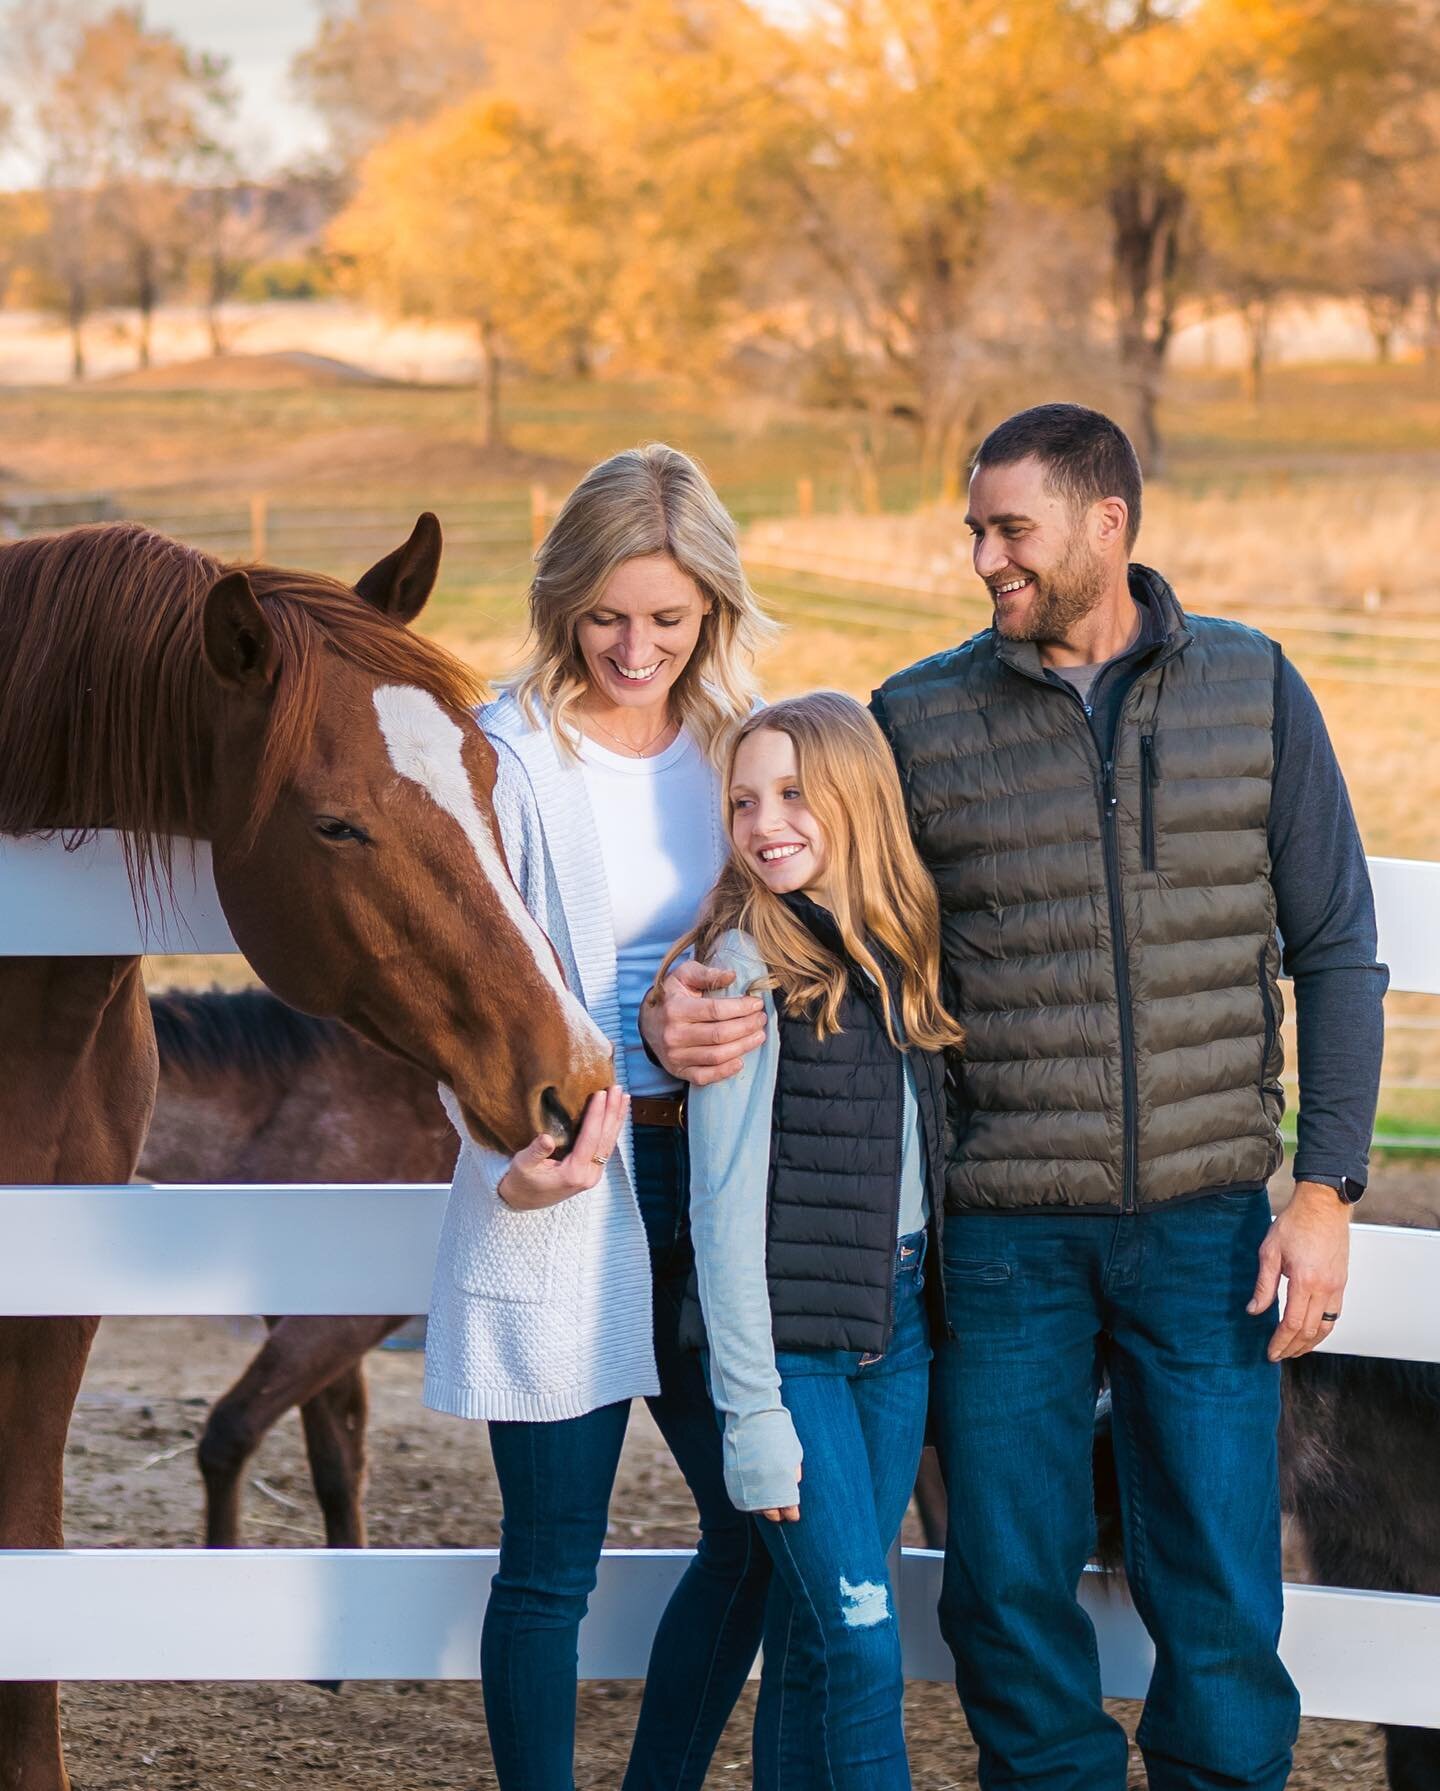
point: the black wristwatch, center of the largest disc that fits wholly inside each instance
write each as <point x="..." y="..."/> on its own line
<point x="1345" y="1186"/>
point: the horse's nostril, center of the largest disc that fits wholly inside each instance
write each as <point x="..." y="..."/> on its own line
<point x="557" y="1120"/>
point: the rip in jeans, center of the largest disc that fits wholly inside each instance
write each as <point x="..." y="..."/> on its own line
<point x="865" y="1604"/>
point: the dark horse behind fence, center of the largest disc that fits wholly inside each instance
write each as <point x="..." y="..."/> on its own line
<point x="250" y="1091"/>
<point x="331" y="759"/>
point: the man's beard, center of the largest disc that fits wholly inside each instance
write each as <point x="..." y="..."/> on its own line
<point x="1061" y="599"/>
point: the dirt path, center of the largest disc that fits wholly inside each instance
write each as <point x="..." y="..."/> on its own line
<point x="132" y="1482"/>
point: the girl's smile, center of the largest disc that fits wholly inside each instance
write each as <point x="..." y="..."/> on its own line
<point x="770" y="823"/>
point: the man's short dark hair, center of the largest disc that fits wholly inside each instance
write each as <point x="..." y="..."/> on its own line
<point x="1086" y="456"/>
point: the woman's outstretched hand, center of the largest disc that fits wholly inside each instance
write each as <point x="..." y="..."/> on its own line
<point x="537" y="1177"/>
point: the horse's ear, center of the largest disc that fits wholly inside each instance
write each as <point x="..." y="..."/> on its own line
<point x="401" y="583"/>
<point x="239" y="643"/>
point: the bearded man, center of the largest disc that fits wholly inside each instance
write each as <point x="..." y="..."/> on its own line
<point x="1125" y="809"/>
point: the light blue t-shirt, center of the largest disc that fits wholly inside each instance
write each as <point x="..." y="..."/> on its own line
<point x="662" y="847"/>
<point x="729" y="1126"/>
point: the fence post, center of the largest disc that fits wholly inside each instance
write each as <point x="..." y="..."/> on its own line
<point x="805" y="496"/>
<point x="259" y="529"/>
<point x="539" y="505"/>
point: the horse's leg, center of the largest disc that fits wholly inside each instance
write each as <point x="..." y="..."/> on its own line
<point x="1360" y="1464"/>
<point x="77" y="1081"/>
<point x="334" y="1423"/>
<point x="1412" y="1759"/>
<point x="300" y="1357"/>
<point x="41" y="1364"/>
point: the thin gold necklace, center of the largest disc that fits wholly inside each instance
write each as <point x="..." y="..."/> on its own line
<point x="639" y="752"/>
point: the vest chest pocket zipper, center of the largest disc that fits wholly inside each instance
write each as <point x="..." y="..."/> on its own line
<point x="1147" y="802"/>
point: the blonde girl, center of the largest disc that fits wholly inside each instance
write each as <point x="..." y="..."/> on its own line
<point x="561" y="1273"/>
<point x="815" y="1200"/>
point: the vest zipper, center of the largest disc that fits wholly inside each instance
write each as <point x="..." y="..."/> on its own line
<point x="1109" y="829"/>
<point x="899" y="1171"/>
<point x="1147" y="802"/>
<point x="1106" y="797"/>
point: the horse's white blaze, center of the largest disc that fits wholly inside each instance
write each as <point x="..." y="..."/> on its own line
<point x="425" y="746"/>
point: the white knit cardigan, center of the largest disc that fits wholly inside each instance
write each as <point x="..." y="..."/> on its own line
<point x="545" y="1314"/>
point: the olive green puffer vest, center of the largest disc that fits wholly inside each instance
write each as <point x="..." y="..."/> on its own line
<point x="1108" y="929"/>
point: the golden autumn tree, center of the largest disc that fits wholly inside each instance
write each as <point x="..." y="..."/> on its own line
<point x="1168" y="127"/>
<point x="1384" y="239"/>
<point x="482" y="215"/>
<point x="130" y="118"/>
<point x="829" y="175"/>
<point x="377" y="65"/>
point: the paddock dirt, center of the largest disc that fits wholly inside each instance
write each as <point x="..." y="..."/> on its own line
<point x="132" y="1481"/>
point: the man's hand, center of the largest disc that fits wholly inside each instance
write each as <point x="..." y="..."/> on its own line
<point x="698" y="1036"/>
<point x="1310" y="1245"/>
<point x="537" y="1177"/>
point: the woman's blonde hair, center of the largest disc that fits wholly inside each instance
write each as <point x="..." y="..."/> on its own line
<point x="647" y="500"/>
<point x="878" y="891"/>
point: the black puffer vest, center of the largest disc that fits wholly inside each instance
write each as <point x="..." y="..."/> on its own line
<point x="1108" y="928"/>
<point x="835" y="1157"/>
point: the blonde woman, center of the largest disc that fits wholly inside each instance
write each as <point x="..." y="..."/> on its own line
<point x="817" y="1194"/>
<point x="560" y="1277"/>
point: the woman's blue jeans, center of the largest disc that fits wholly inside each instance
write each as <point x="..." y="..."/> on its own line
<point x="1039" y="1304"/>
<point x="555" y="1484"/>
<point x="830" y="1714"/>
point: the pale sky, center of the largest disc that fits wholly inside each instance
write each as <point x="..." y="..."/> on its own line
<point x="260" y="37"/>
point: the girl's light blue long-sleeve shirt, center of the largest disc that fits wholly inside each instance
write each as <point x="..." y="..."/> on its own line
<point x="729" y="1125"/>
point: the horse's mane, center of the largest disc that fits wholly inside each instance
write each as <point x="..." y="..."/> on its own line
<point x="104" y="689"/>
<point x="211" y="1033"/>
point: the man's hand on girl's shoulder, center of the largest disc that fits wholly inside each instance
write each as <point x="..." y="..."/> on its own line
<point x="695" y="1034"/>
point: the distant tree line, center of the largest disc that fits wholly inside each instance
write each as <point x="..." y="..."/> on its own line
<point x="141" y="193"/>
<point x="888" y="204"/>
<point x="892" y="202"/>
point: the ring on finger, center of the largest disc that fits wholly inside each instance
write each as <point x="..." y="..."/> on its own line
<point x="1329" y="1318"/>
<point x="600" y="1162"/>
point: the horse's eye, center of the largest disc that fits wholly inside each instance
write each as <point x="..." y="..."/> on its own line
<point x="329" y="828"/>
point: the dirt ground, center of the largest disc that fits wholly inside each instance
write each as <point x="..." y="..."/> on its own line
<point x="132" y="1482"/>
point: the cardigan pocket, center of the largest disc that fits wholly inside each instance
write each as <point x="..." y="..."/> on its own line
<point x="501" y="1253"/>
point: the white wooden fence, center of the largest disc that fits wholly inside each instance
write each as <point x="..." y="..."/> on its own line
<point x="132" y="1614"/>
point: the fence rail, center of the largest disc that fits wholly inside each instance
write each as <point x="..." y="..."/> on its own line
<point x="256" y="1614"/>
<point x="127" y="1614"/>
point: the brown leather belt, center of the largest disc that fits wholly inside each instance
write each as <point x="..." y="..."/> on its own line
<point x="657" y="1110"/>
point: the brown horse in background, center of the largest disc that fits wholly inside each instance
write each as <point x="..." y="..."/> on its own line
<point x="251" y="1091"/>
<point x="331" y="759"/>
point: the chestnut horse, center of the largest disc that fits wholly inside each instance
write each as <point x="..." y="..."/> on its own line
<point x="331" y="759"/>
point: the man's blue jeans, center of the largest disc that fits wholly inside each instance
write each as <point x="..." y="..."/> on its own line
<point x="555" y="1481"/>
<point x="829" y="1716"/>
<point x="1039" y="1304"/>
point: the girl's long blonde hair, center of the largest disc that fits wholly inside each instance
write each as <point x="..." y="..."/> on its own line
<point x="878" y="891"/>
<point x="645" y="501"/>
